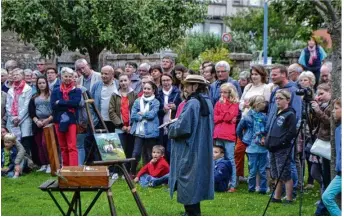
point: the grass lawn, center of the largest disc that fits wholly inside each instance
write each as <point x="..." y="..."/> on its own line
<point x="22" y="197"/>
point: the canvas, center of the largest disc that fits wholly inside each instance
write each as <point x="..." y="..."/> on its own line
<point x="109" y="146"/>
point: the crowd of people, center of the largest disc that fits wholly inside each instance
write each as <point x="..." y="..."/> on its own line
<point x="210" y="122"/>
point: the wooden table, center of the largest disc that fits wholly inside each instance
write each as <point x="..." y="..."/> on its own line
<point x="75" y="204"/>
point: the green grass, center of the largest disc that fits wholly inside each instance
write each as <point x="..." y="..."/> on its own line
<point x="22" y="197"/>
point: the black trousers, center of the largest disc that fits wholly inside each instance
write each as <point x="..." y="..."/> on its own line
<point x="193" y="209"/>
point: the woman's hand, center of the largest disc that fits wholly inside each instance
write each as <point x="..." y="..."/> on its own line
<point x="315" y="106"/>
<point x="172" y="106"/>
<point x="136" y="179"/>
<point x="39" y="123"/>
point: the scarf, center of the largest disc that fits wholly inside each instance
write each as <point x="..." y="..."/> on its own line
<point x="65" y="89"/>
<point x="18" y="88"/>
<point x="140" y="130"/>
<point x="259" y="122"/>
<point x="313" y="55"/>
<point x="167" y="94"/>
<point x="204" y="106"/>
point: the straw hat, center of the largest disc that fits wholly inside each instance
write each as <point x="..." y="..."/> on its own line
<point x="195" y="79"/>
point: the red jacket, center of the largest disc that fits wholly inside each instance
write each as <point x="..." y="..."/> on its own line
<point x="225" y="116"/>
<point x="157" y="170"/>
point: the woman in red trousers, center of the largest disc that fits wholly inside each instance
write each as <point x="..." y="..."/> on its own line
<point x="65" y="101"/>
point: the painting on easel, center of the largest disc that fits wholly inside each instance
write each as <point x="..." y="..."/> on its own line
<point x="109" y="146"/>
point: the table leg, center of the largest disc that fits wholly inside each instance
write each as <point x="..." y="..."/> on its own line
<point x="66" y="200"/>
<point x="56" y="203"/>
<point x="80" y="212"/>
<point x="133" y="190"/>
<point x="111" y="203"/>
<point x="93" y="202"/>
<point x="74" y="200"/>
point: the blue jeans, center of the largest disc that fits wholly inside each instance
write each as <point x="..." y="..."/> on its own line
<point x="293" y="169"/>
<point x="329" y="196"/>
<point x="80" y="141"/>
<point x="257" y="163"/>
<point x="145" y="179"/>
<point x="229" y="147"/>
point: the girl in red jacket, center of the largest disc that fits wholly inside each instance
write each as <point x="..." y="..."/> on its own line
<point x="225" y="115"/>
<point x="156" y="172"/>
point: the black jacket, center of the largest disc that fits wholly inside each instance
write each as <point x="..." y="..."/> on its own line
<point x="282" y="130"/>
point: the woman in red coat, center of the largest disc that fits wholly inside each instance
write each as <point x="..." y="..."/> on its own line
<point x="225" y="115"/>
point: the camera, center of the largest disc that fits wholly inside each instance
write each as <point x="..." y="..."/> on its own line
<point x="306" y="92"/>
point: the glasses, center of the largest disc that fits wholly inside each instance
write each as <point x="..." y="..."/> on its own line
<point x="280" y="98"/>
<point x="220" y="72"/>
<point x="142" y="70"/>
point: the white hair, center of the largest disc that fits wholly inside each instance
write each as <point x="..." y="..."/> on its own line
<point x="4" y="72"/>
<point x="328" y="65"/>
<point x="145" y="66"/>
<point x="223" y="63"/>
<point x="10" y="65"/>
<point x="27" y="71"/>
<point x="309" y="75"/>
<point x="37" y="73"/>
<point x="80" y="61"/>
<point x="295" y="68"/>
<point x="67" y="70"/>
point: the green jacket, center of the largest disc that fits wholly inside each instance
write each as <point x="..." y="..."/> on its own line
<point x="115" y="107"/>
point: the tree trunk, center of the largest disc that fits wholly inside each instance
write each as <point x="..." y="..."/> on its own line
<point x="94" y="58"/>
<point x="336" y="59"/>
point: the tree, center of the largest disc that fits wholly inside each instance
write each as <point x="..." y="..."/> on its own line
<point x="249" y="24"/>
<point x="329" y="14"/>
<point x="92" y="25"/>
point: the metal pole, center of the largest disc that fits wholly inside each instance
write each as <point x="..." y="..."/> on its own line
<point x="265" y="41"/>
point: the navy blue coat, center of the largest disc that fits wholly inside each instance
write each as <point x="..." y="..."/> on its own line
<point x="174" y="97"/>
<point x="13" y="155"/>
<point x="63" y="105"/>
<point x="222" y="174"/>
<point x="191" y="164"/>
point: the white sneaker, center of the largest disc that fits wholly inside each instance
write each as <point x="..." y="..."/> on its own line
<point x="43" y="168"/>
<point x="48" y="170"/>
<point x="115" y="176"/>
<point x="257" y="188"/>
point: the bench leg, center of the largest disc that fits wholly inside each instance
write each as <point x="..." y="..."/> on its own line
<point x="133" y="190"/>
<point x="111" y="202"/>
<point x="56" y="203"/>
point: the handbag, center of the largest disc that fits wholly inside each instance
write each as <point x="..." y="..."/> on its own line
<point x="322" y="148"/>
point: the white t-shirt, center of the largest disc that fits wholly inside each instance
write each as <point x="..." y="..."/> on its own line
<point x="252" y="90"/>
<point x="106" y="93"/>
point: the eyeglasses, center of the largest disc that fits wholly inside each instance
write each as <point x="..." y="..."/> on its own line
<point x="219" y="72"/>
<point x="165" y="80"/>
<point x="142" y="70"/>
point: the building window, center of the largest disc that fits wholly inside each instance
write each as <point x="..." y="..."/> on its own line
<point x="218" y="2"/>
<point x="237" y="2"/>
<point x="215" y="28"/>
<point x="255" y="3"/>
<point x="197" y="28"/>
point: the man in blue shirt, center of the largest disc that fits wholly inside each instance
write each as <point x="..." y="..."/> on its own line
<point x="222" y="72"/>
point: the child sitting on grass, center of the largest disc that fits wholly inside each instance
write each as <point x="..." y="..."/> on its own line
<point x="156" y="172"/>
<point x="8" y="156"/>
<point x="222" y="169"/>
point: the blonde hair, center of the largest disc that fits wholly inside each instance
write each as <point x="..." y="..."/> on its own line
<point x="308" y="75"/>
<point x="233" y="95"/>
<point x="160" y="148"/>
<point x="284" y="93"/>
<point x="254" y="100"/>
<point x="10" y="137"/>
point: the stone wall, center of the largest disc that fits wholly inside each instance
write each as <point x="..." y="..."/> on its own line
<point x="241" y="61"/>
<point x="119" y="60"/>
<point x="292" y="56"/>
<point x="12" y="48"/>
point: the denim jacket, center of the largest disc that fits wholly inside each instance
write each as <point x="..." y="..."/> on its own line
<point x="152" y="124"/>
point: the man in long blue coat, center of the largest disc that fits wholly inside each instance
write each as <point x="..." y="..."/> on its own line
<point x="191" y="166"/>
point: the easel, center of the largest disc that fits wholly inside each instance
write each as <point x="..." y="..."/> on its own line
<point x="118" y="163"/>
